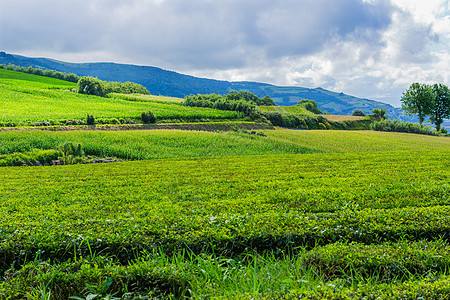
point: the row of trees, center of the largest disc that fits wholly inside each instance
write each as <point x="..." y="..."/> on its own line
<point x="86" y="85"/>
<point x="240" y="101"/>
<point x="47" y="73"/>
<point x="425" y="100"/>
<point x="94" y="86"/>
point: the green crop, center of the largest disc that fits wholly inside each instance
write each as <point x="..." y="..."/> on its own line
<point x="233" y="205"/>
<point x="359" y="141"/>
<point x="215" y="215"/>
<point x="286" y="110"/>
<point x="138" y="145"/>
<point x="46" y="99"/>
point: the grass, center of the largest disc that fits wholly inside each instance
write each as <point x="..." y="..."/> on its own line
<point x="139" y="145"/>
<point x="359" y="141"/>
<point x="286" y="110"/>
<point x="23" y="97"/>
<point x="213" y="215"/>
<point x="149" y="98"/>
<point x="233" y="208"/>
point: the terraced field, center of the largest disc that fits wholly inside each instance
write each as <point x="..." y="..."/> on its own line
<point x="288" y="214"/>
<point x="29" y="98"/>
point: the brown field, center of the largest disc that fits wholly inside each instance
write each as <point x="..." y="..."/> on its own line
<point x="342" y="118"/>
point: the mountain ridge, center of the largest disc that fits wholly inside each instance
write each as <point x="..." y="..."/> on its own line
<point x="170" y="83"/>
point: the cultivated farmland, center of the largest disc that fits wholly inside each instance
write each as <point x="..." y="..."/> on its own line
<point x="23" y="101"/>
<point x="283" y="214"/>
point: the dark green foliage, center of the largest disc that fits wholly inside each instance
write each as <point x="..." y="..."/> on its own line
<point x="124" y="88"/>
<point x="148" y="117"/>
<point x="47" y="73"/>
<point x="379" y="114"/>
<point x="243" y="102"/>
<point x="359" y="113"/>
<point x="317" y="122"/>
<point x="310" y="105"/>
<point x="32" y="158"/>
<point x="418" y="100"/>
<point x="90" y="120"/>
<point x="91" y="86"/>
<point x="71" y="154"/>
<point x="400" y="126"/>
<point x="249" y="97"/>
<point x="441" y="105"/>
<point x="274" y="117"/>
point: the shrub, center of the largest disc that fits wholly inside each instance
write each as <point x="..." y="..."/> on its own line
<point x="114" y="121"/>
<point x="90" y="120"/>
<point x="399" y="126"/>
<point x="359" y="113"/>
<point x="33" y="158"/>
<point x="91" y="86"/>
<point x="71" y="154"/>
<point x="310" y="105"/>
<point x="274" y="117"/>
<point x="148" y="117"/>
<point x="74" y="122"/>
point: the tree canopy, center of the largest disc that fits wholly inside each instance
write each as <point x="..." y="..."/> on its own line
<point x="94" y="86"/>
<point x="441" y="104"/>
<point x="427" y="100"/>
<point x="418" y="100"/>
<point x="310" y="105"/>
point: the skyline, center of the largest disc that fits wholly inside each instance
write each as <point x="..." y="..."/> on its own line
<point x="367" y="48"/>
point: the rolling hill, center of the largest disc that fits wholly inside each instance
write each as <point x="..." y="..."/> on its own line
<point x="169" y="83"/>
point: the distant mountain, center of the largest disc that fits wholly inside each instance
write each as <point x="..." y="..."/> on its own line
<point x="169" y="83"/>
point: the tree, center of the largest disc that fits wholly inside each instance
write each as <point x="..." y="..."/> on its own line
<point x="359" y="113"/>
<point x="310" y="105"/>
<point x="379" y="114"/>
<point x="418" y="99"/>
<point x="441" y="104"/>
<point x="91" y="86"/>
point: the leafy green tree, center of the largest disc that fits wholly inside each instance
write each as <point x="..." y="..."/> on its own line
<point x="418" y="100"/>
<point x="379" y="114"/>
<point x="310" y="105"/>
<point x="358" y="113"/>
<point x="441" y="104"/>
<point x="249" y="97"/>
<point x="91" y="86"/>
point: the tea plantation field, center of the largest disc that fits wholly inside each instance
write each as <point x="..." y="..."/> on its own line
<point x="361" y="221"/>
<point x="282" y="214"/>
<point x="26" y="99"/>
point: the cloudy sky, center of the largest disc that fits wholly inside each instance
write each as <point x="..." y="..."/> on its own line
<point x="368" y="48"/>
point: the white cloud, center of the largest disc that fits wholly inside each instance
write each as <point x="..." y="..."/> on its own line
<point x="369" y="48"/>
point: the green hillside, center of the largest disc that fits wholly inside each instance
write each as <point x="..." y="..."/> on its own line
<point x="286" y="109"/>
<point x="29" y="98"/>
<point x="169" y="83"/>
<point x="241" y="214"/>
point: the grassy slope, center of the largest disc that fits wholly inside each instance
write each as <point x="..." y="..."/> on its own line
<point x="367" y="218"/>
<point x="286" y="109"/>
<point x="386" y="188"/>
<point x="150" y="144"/>
<point x="359" y="141"/>
<point x="23" y="97"/>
